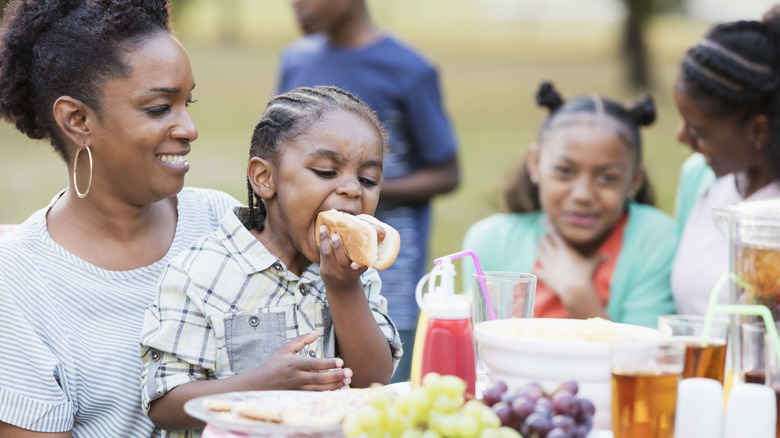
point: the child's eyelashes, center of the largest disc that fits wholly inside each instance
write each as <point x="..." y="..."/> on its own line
<point x="369" y="182"/>
<point x="327" y="174"/>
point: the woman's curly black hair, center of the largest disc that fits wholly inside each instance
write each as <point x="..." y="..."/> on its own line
<point x="522" y="195"/>
<point x="53" y="48"/>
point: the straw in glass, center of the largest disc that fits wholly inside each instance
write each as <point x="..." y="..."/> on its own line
<point x="481" y="276"/>
<point x="739" y="309"/>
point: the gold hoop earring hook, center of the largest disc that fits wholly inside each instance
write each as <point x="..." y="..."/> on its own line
<point x="75" y="163"/>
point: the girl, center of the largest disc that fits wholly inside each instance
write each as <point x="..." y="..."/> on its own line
<point x="580" y="217"/>
<point x="728" y="95"/>
<point x="108" y="86"/>
<point x="236" y="310"/>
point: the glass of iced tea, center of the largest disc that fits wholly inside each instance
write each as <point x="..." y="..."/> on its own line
<point x="644" y="387"/>
<point x="703" y="357"/>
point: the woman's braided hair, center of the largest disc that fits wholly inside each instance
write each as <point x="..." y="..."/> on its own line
<point x="290" y="115"/>
<point x="54" y="48"/>
<point x="522" y="195"/>
<point x="735" y="68"/>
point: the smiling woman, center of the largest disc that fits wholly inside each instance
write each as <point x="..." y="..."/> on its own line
<point x="108" y="86"/>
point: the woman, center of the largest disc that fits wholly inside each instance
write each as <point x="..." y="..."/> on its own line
<point x="107" y="85"/>
<point x="728" y="95"/>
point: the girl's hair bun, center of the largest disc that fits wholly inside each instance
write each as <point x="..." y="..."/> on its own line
<point x="643" y="111"/>
<point x="548" y="97"/>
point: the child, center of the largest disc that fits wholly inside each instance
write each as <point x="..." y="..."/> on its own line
<point x="728" y="95"/>
<point x="257" y="305"/>
<point x="343" y="47"/>
<point x="580" y="217"/>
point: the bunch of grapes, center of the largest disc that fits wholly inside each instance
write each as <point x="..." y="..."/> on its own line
<point x="536" y="414"/>
<point x="437" y="409"/>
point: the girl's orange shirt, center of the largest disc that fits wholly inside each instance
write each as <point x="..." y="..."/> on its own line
<point x="548" y="305"/>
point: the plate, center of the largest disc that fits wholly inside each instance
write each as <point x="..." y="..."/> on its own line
<point x="300" y="401"/>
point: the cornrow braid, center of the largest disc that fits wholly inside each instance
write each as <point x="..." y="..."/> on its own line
<point x="50" y="49"/>
<point x="290" y="115"/>
<point x="736" y="68"/>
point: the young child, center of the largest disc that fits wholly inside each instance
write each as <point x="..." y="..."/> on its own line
<point x="343" y="47"/>
<point x="257" y="305"/>
<point x="581" y="218"/>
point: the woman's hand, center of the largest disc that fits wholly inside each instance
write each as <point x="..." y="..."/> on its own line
<point x="569" y="275"/>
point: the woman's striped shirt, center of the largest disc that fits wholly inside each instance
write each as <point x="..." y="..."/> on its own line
<point x="69" y="330"/>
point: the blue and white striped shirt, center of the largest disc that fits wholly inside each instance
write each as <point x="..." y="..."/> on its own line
<point x="69" y="330"/>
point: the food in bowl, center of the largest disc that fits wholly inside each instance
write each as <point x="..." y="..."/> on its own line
<point x="552" y="350"/>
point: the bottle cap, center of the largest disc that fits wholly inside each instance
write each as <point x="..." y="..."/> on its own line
<point x="441" y="302"/>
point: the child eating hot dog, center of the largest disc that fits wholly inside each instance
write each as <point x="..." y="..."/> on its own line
<point x="261" y="304"/>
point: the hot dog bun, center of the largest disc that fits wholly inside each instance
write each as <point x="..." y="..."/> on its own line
<point x="360" y="237"/>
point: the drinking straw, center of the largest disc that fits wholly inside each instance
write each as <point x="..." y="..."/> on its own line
<point x="739" y="309"/>
<point x="480" y="276"/>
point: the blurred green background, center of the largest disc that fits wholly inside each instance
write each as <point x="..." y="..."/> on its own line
<point x="490" y="58"/>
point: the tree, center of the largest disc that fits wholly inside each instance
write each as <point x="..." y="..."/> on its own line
<point x="634" y="48"/>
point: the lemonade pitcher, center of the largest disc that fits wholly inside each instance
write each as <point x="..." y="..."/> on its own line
<point x="753" y="230"/>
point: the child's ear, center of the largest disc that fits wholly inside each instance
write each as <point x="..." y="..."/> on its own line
<point x="532" y="162"/>
<point x="636" y="185"/>
<point x="260" y="174"/>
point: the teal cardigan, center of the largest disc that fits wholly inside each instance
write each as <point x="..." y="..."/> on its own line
<point x="695" y="178"/>
<point x="640" y="289"/>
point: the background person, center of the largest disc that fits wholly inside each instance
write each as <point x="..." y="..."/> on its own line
<point x="107" y="85"/>
<point x="581" y="217"/>
<point x="728" y="95"/>
<point x="344" y="48"/>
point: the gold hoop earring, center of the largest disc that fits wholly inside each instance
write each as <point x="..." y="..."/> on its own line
<point x="89" y="182"/>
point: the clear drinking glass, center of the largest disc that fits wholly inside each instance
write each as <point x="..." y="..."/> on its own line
<point x="644" y="387"/>
<point x="512" y="296"/>
<point x="703" y="358"/>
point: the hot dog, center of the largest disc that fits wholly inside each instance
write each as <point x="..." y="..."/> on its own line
<point x="360" y="237"/>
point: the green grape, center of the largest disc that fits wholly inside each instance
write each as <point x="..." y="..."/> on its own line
<point x="489" y="432"/>
<point x="508" y="432"/>
<point x="412" y="433"/>
<point x="369" y="418"/>
<point x="452" y="385"/>
<point x="380" y="398"/>
<point x="430" y="434"/>
<point x="446" y="404"/>
<point x="488" y="418"/>
<point x="466" y="426"/>
<point x="352" y="426"/>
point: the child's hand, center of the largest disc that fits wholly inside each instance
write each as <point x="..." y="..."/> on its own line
<point x="289" y="370"/>
<point x="565" y="271"/>
<point x="336" y="269"/>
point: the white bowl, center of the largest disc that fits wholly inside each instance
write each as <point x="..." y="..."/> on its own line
<point x="552" y="350"/>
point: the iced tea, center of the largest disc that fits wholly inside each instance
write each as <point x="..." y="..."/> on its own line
<point x="643" y="404"/>
<point x="700" y="361"/>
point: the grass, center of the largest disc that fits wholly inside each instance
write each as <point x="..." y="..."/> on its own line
<point x="489" y="72"/>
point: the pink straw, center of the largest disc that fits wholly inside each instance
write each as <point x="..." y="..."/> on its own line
<point x="481" y="276"/>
